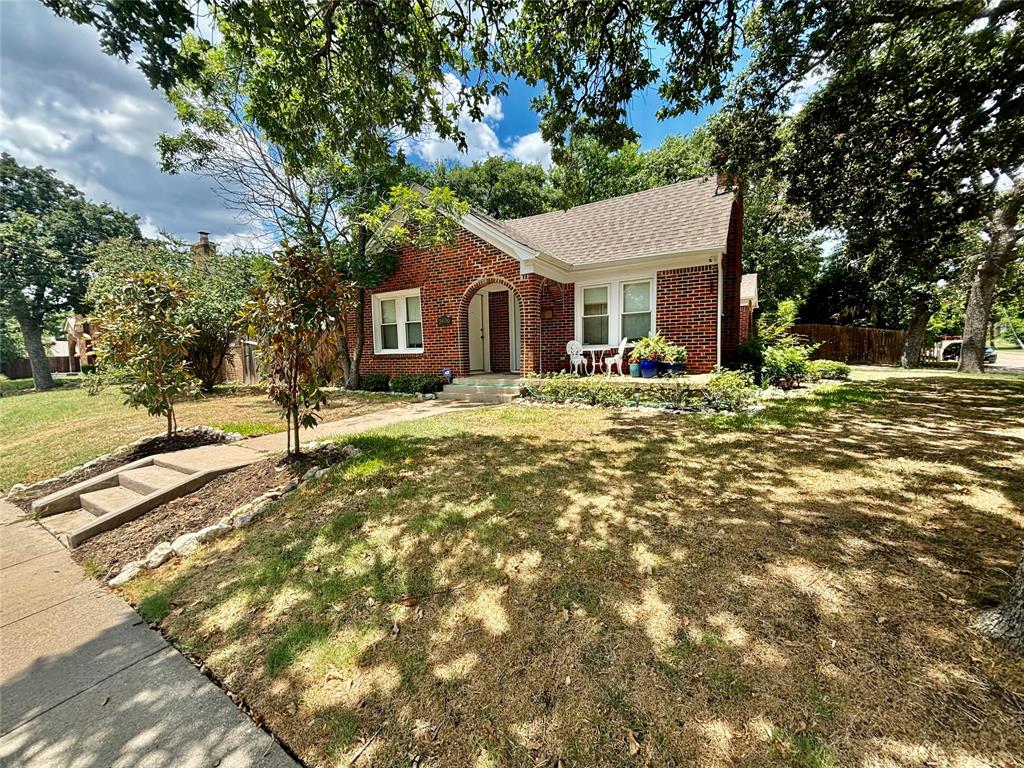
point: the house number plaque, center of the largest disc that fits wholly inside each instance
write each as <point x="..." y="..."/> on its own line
<point x="444" y="321"/>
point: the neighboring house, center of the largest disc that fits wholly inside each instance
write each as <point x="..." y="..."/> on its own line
<point x="80" y="333"/>
<point x="508" y="295"/>
<point x="748" y="303"/>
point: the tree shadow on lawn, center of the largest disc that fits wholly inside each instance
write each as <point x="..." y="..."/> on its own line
<point x="625" y="589"/>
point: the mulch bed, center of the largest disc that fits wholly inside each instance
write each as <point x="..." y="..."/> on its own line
<point x="109" y="552"/>
<point x="160" y="444"/>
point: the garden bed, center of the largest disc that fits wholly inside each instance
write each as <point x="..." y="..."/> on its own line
<point x="108" y="552"/>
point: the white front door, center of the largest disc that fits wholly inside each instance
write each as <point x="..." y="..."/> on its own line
<point x="477" y="333"/>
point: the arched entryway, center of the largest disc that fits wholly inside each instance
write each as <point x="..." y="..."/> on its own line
<point x="491" y="327"/>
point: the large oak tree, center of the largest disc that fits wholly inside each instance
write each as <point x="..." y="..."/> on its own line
<point x="47" y="229"/>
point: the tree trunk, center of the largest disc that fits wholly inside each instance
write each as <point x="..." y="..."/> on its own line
<point x="32" y="333"/>
<point x="1007" y="621"/>
<point x="170" y="423"/>
<point x="914" y="343"/>
<point x="360" y="340"/>
<point x="295" y="422"/>
<point x="1003" y="236"/>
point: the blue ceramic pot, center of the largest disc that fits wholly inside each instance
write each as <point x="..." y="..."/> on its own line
<point x="677" y="369"/>
<point x="648" y="368"/>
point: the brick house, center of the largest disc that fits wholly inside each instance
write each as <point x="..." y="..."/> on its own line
<point x="506" y="296"/>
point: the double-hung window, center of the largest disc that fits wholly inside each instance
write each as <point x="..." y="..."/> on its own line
<point x="607" y="313"/>
<point x="595" y="315"/>
<point x="636" y="310"/>
<point x="397" y="322"/>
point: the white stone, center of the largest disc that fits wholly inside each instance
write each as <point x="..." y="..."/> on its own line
<point x="243" y="520"/>
<point x="290" y="486"/>
<point x="321" y="472"/>
<point x="185" y="545"/>
<point x="159" y="554"/>
<point x="263" y="506"/>
<point x="309" y="474"/>
<point x="127" y="573"/>
<point x="212" y="532"/>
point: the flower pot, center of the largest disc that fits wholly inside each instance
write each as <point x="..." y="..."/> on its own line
<point x="677" y="369"/>
<point x="634" y="370"/>
<point x="648" y="368"/>
<point x="663" y="367"/>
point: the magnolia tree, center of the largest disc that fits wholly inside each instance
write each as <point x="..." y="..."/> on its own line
<point x="294" y="316"/>
<point x="215" y="287"/>
<point x="144" y="338"/>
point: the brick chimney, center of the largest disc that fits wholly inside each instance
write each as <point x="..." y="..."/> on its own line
<point x="202" y="249"/>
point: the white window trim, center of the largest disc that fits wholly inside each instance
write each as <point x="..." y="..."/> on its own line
<point x="614" y="307"/>
<point x="400" y="311"/>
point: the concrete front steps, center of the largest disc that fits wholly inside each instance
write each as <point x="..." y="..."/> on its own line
<point x="104" y="502"/>
<point x="485" y="388"/>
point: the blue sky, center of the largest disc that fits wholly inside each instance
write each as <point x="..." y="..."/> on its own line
<point x="66" y="105"/>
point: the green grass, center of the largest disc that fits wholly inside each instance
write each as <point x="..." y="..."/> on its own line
<point x="155" y="607"/>
<point x="45" y="433"/>
<point x="249" y="428"/>
<point x="803" y="750"/>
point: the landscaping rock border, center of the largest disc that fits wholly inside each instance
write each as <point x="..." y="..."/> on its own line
<point x="240" y="517"/>
<point x="24" y="491"/>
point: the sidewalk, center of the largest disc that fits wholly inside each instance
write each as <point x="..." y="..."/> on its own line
<point x="84" y="682"/>
<point x="278" y="441"/>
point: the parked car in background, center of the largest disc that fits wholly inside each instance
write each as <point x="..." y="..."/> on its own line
<point x="952" y="352"/>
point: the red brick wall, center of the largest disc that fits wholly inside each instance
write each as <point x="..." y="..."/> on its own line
<point x="448" y="277"/>
<point x="498" y="330"/>
<point x="687" y="313"/>
<point x="746" y="323"/>
<point x="557" y="301"/>
<point x="732" y="274"/>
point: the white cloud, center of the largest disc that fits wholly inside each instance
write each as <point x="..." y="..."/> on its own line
<point x="803" y="90"/>
<point x="532" y="148"/>
<point x="482" y="139"/>
<point x="66" y="105"/>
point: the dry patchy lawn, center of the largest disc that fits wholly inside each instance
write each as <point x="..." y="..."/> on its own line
<point x="593" y="589"/>
<point x="42" y="434"/>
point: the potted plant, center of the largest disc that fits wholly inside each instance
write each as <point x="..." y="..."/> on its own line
<point x="649" y="352"/>
<point x="676" y="359"/>
<point x="634" y="370"/>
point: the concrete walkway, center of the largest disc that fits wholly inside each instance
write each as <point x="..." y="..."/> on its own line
<point x="85" y="682"/>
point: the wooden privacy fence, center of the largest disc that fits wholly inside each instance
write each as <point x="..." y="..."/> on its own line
<point x="19" y="367"/>
<point x="853" y="343"/>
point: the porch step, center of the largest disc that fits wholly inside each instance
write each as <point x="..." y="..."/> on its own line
<point x="107" y="500"/>
<point x="145" y="480"/>
<point x="478" y="394"/>
<point x="491" y="381"/>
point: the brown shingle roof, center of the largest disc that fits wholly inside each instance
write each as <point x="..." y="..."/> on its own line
<point x="688" y="216"/>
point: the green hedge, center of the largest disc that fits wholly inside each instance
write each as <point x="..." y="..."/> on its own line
<point x="412" y="383"/>
<point x="727" y="390"/>
<point x="374" y="382"/>
<point x="827" y="369"/>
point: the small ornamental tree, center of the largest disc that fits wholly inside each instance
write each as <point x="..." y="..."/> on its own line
<point x="294" y="315"/>
<point x="143" y="337"/>
<point x="216" y="288"/>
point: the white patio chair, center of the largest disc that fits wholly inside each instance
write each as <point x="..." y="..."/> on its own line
<point x="576" y="360"/>
<point x="616" y="360"/>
